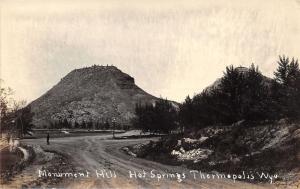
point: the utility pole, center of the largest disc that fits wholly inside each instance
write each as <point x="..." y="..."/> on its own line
<point x="22" y="131"/>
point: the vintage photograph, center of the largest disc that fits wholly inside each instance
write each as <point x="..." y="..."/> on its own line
<point x="121" y="94"/>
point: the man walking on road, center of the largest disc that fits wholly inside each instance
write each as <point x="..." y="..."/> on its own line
<point x="48" y="138"/>
<point x="8" y="138"/>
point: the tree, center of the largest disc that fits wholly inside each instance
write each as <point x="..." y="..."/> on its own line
<point x="76" y="125"/>
<point x="5" y="97"/>
<point x="242" y="94"/>
<point x="83" y="125"/>
<point x="281" y="74"/>
<point x="106" y="125"/>
<point x="89" y="124"/>
<point x="63" y="124"/>
<point x="23" y="120"/>
<point x="255" y="99"/>
<point x="12" y="112"/>
<point x="287" y="87"/>
<point x="158" y="117"/>
<point x="166" y="116"/>
<point x="293" y="74"/>
<point x="186" y="113"/>
<point x="233" y="86"/>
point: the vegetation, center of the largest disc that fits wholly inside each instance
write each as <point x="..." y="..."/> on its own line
<point x="287" y="88"/>
<point x="242" y="94"/>
<point x="154" y="118"/>
<point x="89" y="125"/>
<point x="14" y="116"/>
<point x="5" y="96"/>
<point x="246" y="95"/>
<point x="23" y="120"/>
<point x="239" y="96"/>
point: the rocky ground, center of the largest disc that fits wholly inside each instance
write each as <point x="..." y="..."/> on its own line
<point x="22" y="173"/>
<point x="11" y="163"/>
<point x="271" y="148"/>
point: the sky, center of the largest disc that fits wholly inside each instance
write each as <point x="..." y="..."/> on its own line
<point x="172" y="48"/>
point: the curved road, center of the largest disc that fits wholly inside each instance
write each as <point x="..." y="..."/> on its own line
<point x="102" y="153"/>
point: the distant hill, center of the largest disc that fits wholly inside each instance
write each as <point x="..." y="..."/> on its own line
<point x="97" y="94"/>
<point x="217" y="83"/>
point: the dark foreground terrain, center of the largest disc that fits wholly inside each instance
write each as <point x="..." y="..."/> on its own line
<point x="270" y="148"/>
<point x="101" y="153"/>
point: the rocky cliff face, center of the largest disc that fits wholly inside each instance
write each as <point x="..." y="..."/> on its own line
<point x="96" y="93"/>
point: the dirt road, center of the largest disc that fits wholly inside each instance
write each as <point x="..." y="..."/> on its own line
<point x="101" y="153"/>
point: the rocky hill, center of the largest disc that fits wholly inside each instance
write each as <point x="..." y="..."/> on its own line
<point x="97" y="94"/>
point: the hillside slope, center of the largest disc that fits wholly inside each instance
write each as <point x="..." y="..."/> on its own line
<point x="97" y="94"/>
<point x="255" y="148"/>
